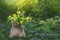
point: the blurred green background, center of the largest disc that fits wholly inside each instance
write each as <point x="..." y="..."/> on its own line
<point x="45" y="24"/>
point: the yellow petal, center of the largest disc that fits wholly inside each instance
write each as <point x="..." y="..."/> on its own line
<point x="27" y="18"/>
<point x="21" y="22"/>
<point x="14" y="15"/>
<point x="9" y="17"/>
<point x="18" y="12"/>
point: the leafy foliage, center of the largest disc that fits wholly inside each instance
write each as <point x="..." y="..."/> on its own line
<point x="45" y="24"/>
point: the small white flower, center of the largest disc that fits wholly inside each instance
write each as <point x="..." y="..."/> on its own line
<point x="41" y="22"/>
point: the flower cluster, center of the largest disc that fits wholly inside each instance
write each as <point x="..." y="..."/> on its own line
<point x="19" y="17"/>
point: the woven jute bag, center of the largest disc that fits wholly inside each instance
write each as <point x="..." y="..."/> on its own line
<point x="16" y="31"/>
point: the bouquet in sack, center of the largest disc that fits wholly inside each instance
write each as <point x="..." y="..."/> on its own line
<point x="18" y="20"/>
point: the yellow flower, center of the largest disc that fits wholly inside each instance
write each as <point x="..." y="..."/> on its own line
<point x="9" y="17"/>
<point x="13" y="18"/>
<point x="27" y="18"/>
<point x="14" y="15"/>
<point x="21" y="22"/>
<point x="30" y="18"/>
<point x="18" y="12"/>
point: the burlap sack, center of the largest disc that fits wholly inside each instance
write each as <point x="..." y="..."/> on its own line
<point x="16" y="31"/>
